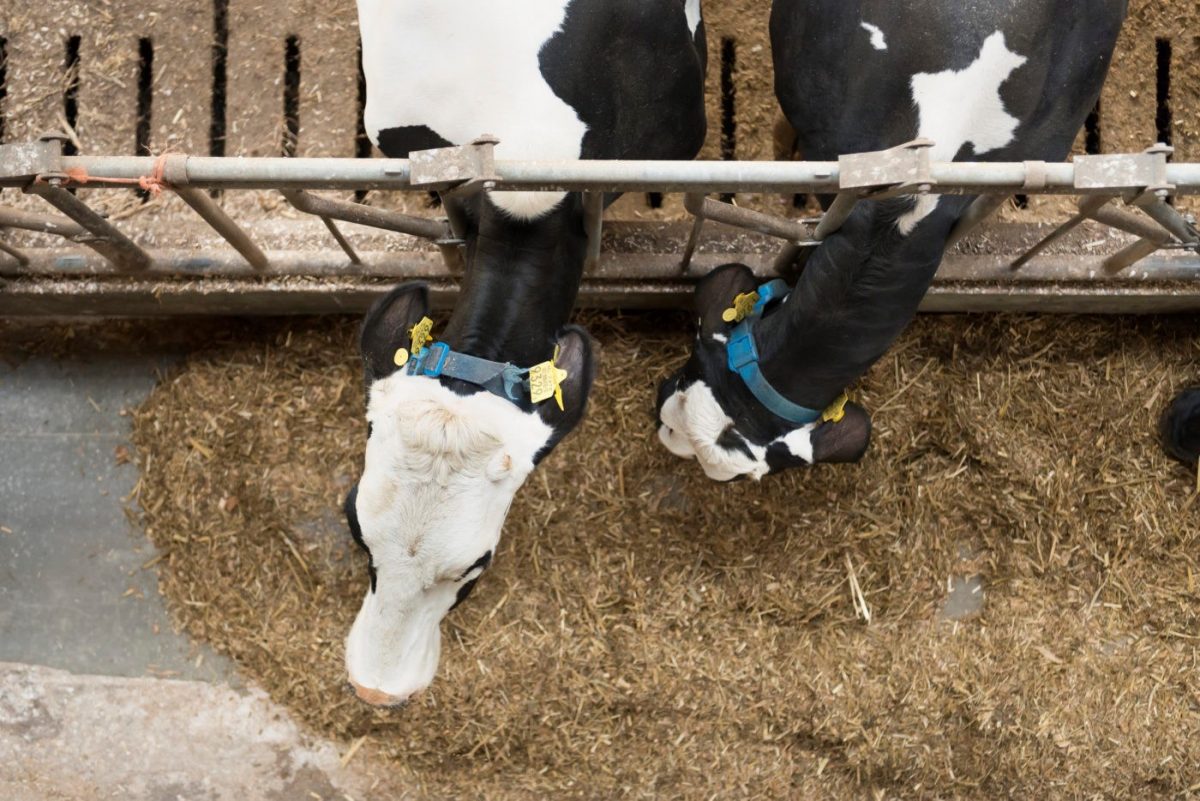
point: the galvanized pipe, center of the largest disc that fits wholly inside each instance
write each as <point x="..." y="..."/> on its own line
<point x="366" y="215"/>
<point x="327" y="263"/>
<point x="342" y="241"/>
<point x="1087" y="207"/>
<point x="616" y="269"/>
<point x="694" y="203"/>
<point x="980" y="209"/>
<point x="604" y="176"/>
<point x="836" y="214"/>
<point x="1129" y="255"/>
<point x="1168" y="218"/>
<point x="42" y="223"/>
<point x="19" y="255"/>
<point x="1130" y="223"/>
<point x="749" y="219"/>
<point x="74" y="296"/>
<point x="105" y="239"/>
<point x="223" y="224"/>
<point x="593" y="218"/>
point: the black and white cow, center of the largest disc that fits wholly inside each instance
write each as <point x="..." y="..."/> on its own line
<point x="993" y="80"/>
<point x="449" y="446"/>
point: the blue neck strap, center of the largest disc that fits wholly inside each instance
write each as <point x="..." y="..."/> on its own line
<point x="503" y="379"/>
<point x="742" y="357"/>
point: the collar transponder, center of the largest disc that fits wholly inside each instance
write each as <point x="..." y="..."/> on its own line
<point x="433" y="359"/>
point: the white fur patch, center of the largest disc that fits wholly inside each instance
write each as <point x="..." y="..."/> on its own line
<point x="692" y="421"/>
<point x="956" y="107"/>
<point x="877" y="40"/>
<point x="465" y="68"/>
<point x="799" y="442"/>
<point x="692" y="9"/>
<point x="441" y="470"/>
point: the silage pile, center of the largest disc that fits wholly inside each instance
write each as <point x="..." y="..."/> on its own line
<point x="646" y="632"/>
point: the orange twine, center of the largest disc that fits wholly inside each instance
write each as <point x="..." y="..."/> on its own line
<point x="152" y="183"/>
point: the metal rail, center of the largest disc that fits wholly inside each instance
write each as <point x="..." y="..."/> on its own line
<point x="212" y="172"/>
<point x="1144" y="182"/>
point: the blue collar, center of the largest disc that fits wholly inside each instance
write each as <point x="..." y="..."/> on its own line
<point x="742" y="358"/>
<point x="503" y="379"/>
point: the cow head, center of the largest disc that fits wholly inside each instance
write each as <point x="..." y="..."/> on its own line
<point x="706" y="412"/>
<point x="443" y="463"/>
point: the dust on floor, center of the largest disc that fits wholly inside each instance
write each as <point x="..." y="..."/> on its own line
<point x="644" y="632"/>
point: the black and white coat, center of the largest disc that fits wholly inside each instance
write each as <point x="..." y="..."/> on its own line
<point x="993" y="80"/>
<point x="551" y="79"/>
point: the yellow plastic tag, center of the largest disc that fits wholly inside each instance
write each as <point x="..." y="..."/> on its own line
<point x="421" y="333"/>
<point x="742" y="306"/>
<point x="401" y="357"/>
<point x="545" y="381"/>
<point x="836" y="410"/>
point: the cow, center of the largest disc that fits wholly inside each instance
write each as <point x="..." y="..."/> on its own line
<point x="762" y="390"/>
<point x="458" y="419"/>
<point x="1179" y="427"/>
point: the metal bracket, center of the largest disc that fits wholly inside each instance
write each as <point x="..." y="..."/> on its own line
<point x="22" y="162"/>
<point x="460" y="170"/>
<point x="1127" y="172"/>
<point x="903" y="169"/>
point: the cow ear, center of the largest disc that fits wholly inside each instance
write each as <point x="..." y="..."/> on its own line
<point x="1179" y="426"/>
<point x="715" y="293"/>
<point x="845" y="440"/>
<point x="387" y="325"/>
<point x="576" y="357"/>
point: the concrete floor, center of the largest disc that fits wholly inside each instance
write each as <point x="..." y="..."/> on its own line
<point x="99" y="697"/>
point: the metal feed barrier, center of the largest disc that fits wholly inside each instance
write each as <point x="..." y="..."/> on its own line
<point x="1148" y="260"/>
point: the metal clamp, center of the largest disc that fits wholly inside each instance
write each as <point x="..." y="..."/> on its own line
<point x="1126" y="172"/>
<point x="1035" y="176"/>
<point x="903" y="169"/>
<point x="460" y="170"/>
<point x="23" y="162"/>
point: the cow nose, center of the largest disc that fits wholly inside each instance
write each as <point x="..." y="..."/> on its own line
<point x="375" y="697"/>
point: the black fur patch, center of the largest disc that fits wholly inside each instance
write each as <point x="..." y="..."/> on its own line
<point x="397" y="143"/>
<point x="463" y="592"/>
<point x="351" y="511"/>
<point x="482" y="563"/>
<point x="634" y="75"/>
<point x="1180" y="426"/>
<point x="731" y="440"/>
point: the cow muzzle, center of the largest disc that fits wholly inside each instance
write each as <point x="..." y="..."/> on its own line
<point x="376" y="697"/>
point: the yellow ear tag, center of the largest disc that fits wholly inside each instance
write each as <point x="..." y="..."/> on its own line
<point x="742" y="306"/>
<point x="401" y="357"/>
<point x="836" y="410"/>
<point x="421" y="333"/>
<point x="545" y="381"/>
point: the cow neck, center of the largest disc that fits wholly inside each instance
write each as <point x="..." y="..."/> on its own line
<point x="855" y="296"/>
<point x="520" y="286"/>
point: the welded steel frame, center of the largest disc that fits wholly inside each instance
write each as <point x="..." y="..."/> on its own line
<point x="1144" y="182"/>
